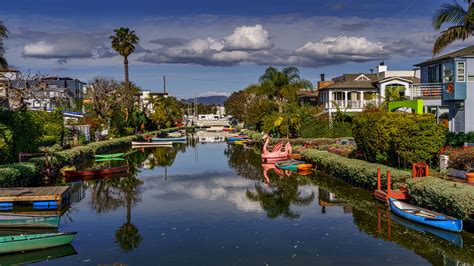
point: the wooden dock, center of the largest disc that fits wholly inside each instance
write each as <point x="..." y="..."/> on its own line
<point x="59" y="194"/>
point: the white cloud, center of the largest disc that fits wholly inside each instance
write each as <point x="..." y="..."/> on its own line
<point x="248" y="38"/>
<point x="355" y="49"/>
<point x="215" y="93"/>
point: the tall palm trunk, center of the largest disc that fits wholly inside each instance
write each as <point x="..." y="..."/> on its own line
<point x="125" y="64"/>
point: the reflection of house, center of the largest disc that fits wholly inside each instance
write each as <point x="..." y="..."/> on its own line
<point x="354" y="92"/>
<point x="450" y="77"/>
<point x="144" y="99"/>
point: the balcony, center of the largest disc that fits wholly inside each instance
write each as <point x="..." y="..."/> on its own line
<point x="354" y="105"/>
<point x="426" y="91"/>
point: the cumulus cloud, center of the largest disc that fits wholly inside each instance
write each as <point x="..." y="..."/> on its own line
<point x="248" y="38"/>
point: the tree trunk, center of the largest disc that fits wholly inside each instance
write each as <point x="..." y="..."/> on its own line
<point x="125" y="64"/>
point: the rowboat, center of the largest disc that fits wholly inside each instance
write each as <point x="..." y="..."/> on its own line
<point x="451" y="237"/>
<point x="151" y="144"/>
<point x="181" y="139"/>
<point x="425" y="216"/>
<point x="112" y="170"/>
<point x="112" y="155"/>
<point x="289" y="164"/>
<point x="17" y="243"/>
<point x="8" y="220"/>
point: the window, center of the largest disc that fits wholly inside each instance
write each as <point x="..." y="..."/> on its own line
<point x="434" y="74"/>
<point x="448" y="72"/>
<point x="470" y="78"/>
<point x="461" y="72"/>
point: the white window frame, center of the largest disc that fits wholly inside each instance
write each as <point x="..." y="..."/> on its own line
<point x="463" y="71"/>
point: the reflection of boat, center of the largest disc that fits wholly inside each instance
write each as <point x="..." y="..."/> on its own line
<point x="38" y="255"/>
<point x="180" y="139"/>
<point x="425" y="216"/>
<point x="140" y="144"/>
<point x="17" y="243"/>
<point x="24" y="220"/>
<point x="112" y="170"/>
<point x="112" y="155"/>
<point x="70" y="179"/>
<point x="453" y="238"/>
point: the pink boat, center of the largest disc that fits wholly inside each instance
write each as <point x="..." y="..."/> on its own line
<point x="277" y="154"/>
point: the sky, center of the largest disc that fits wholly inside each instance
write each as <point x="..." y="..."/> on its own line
<point x="215" y="47"/>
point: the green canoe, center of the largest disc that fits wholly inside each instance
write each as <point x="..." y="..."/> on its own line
<point x="34" y="221"/>
<point x="109" y="159"/>
<point x="17" y="243"/>
<point x="111" y="155"/>
<point x="37" y="255"/>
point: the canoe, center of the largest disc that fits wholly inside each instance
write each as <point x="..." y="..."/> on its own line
<point x="304" y="167"/>
<point x="109" y="159"/>
<point x="151" y="144"/>
<point x="425" y="216"/>
<point x="289" y="164"/>
<point x="112" y="155"/>
<point x="174" y="135"/>
<point x="8" y="220"/>
<point x="17" y="243"/>
<point x="233" y="139"/>
<point x="181" y="139"/>
<point x="453" y="238"/>
<point x="107" y="171"/>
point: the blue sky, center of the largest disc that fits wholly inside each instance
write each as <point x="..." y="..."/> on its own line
<point x="215" y="47"/>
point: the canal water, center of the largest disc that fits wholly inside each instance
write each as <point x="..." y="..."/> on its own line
<point x="216" y="204"/>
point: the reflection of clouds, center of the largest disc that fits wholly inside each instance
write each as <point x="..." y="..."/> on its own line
<point x="230" y="188"/>
<point x="307" y="190"/>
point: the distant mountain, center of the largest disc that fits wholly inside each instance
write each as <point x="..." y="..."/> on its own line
<point x="209" y="100"/>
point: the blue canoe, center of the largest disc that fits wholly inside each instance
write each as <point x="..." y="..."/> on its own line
<point x="232" y="139"/>
<point x="181" y="139"/>
<point x="424" y="216"/>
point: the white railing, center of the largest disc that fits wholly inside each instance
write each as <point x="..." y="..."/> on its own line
<point x="426" y="90"/>
<point x="350" y="104"/>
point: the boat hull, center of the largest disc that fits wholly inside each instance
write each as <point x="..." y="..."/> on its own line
<point x="438" y="220"/>
<point x="112" y="155"/>
<point x="151" y="144"/>
<point x="11" y="244"/>
<point x="29" y="221"/>
<point x="97" y="172"/>
<point x="182" y="139"/>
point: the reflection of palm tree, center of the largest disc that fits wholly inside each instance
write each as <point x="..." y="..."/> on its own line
<point x="128" y="236"/>
<point x="278" y="200"/>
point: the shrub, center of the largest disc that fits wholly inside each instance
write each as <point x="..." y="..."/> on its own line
<point x="451" y="198"/>
<point x="462" y="159"/>
<point x="17" y="175"/>
<point x="398" y="137"/>
<point x="353" y="171"/>
<point x="458" y="139"/>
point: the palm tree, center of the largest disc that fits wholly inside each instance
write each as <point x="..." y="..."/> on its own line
<point x="461" y="20"/>
<point x="3" y="35"/>
<point x="124" y="42"/>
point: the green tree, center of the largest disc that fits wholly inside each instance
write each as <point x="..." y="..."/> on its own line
<point x="461" y="21"/>
<point x="3" y="35"/>
<point x="124" y="42"/>
<point x="166" y="111"/>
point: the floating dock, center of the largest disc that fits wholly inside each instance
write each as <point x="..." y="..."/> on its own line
<point x="41" y="197"/>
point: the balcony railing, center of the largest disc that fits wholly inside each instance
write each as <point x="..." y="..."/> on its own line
<point x="427" y="90"/>
<point x="350" y="104"/>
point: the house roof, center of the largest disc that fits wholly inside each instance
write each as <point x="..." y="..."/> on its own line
<point x="468" y="51"/>
<point x="359" y="84"/>
<point x="407" y="79"/>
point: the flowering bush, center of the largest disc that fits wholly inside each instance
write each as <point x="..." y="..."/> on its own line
<point x="462" y="159"/>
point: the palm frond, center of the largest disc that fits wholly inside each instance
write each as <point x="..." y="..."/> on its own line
<point x="452" y="34"/>
<point x="449" y="13"/>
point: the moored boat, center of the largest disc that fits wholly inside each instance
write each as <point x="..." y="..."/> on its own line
<point x="289" y="164"/>
<point x="18" y="243"/>
<point x="425" y="216"/>
<point x="151" y="144"/>
<point x="112" y="155"/>
<point x="112" y="170"/>
<point x="8" y="220"/>
<point x="180" y="139"/>
<point x="304" y="167"/>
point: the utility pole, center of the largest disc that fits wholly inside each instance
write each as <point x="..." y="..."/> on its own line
<point x="164" y="83"/>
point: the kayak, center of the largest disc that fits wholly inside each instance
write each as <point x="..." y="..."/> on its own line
<point x="8" y="220"/>
<point x="304" y="167"/>
<point x="109" y="159"/>
<point x="17" y="243"/>
<point x="289" y="164"/>
<point x="112" y="155"/>
<point x="425" y="216"/>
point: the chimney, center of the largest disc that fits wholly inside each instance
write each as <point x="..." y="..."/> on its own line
<point x="381" y="67"/>
<point x="322" y="77"/>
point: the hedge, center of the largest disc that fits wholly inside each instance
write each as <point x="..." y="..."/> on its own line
<point x="299" y="141"/>
<point x="356" y="172"/>
<point x="451" y="198"/>
<point x="24" y="174"/>
<point x="17" y="175"/>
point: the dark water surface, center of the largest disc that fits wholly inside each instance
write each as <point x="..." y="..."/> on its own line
<point x="210" y="204"/>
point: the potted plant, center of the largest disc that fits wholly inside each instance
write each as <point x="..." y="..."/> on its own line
<point x="470" y="171"/>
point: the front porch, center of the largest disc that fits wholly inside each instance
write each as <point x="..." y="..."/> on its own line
<point x="348" y="100"/>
